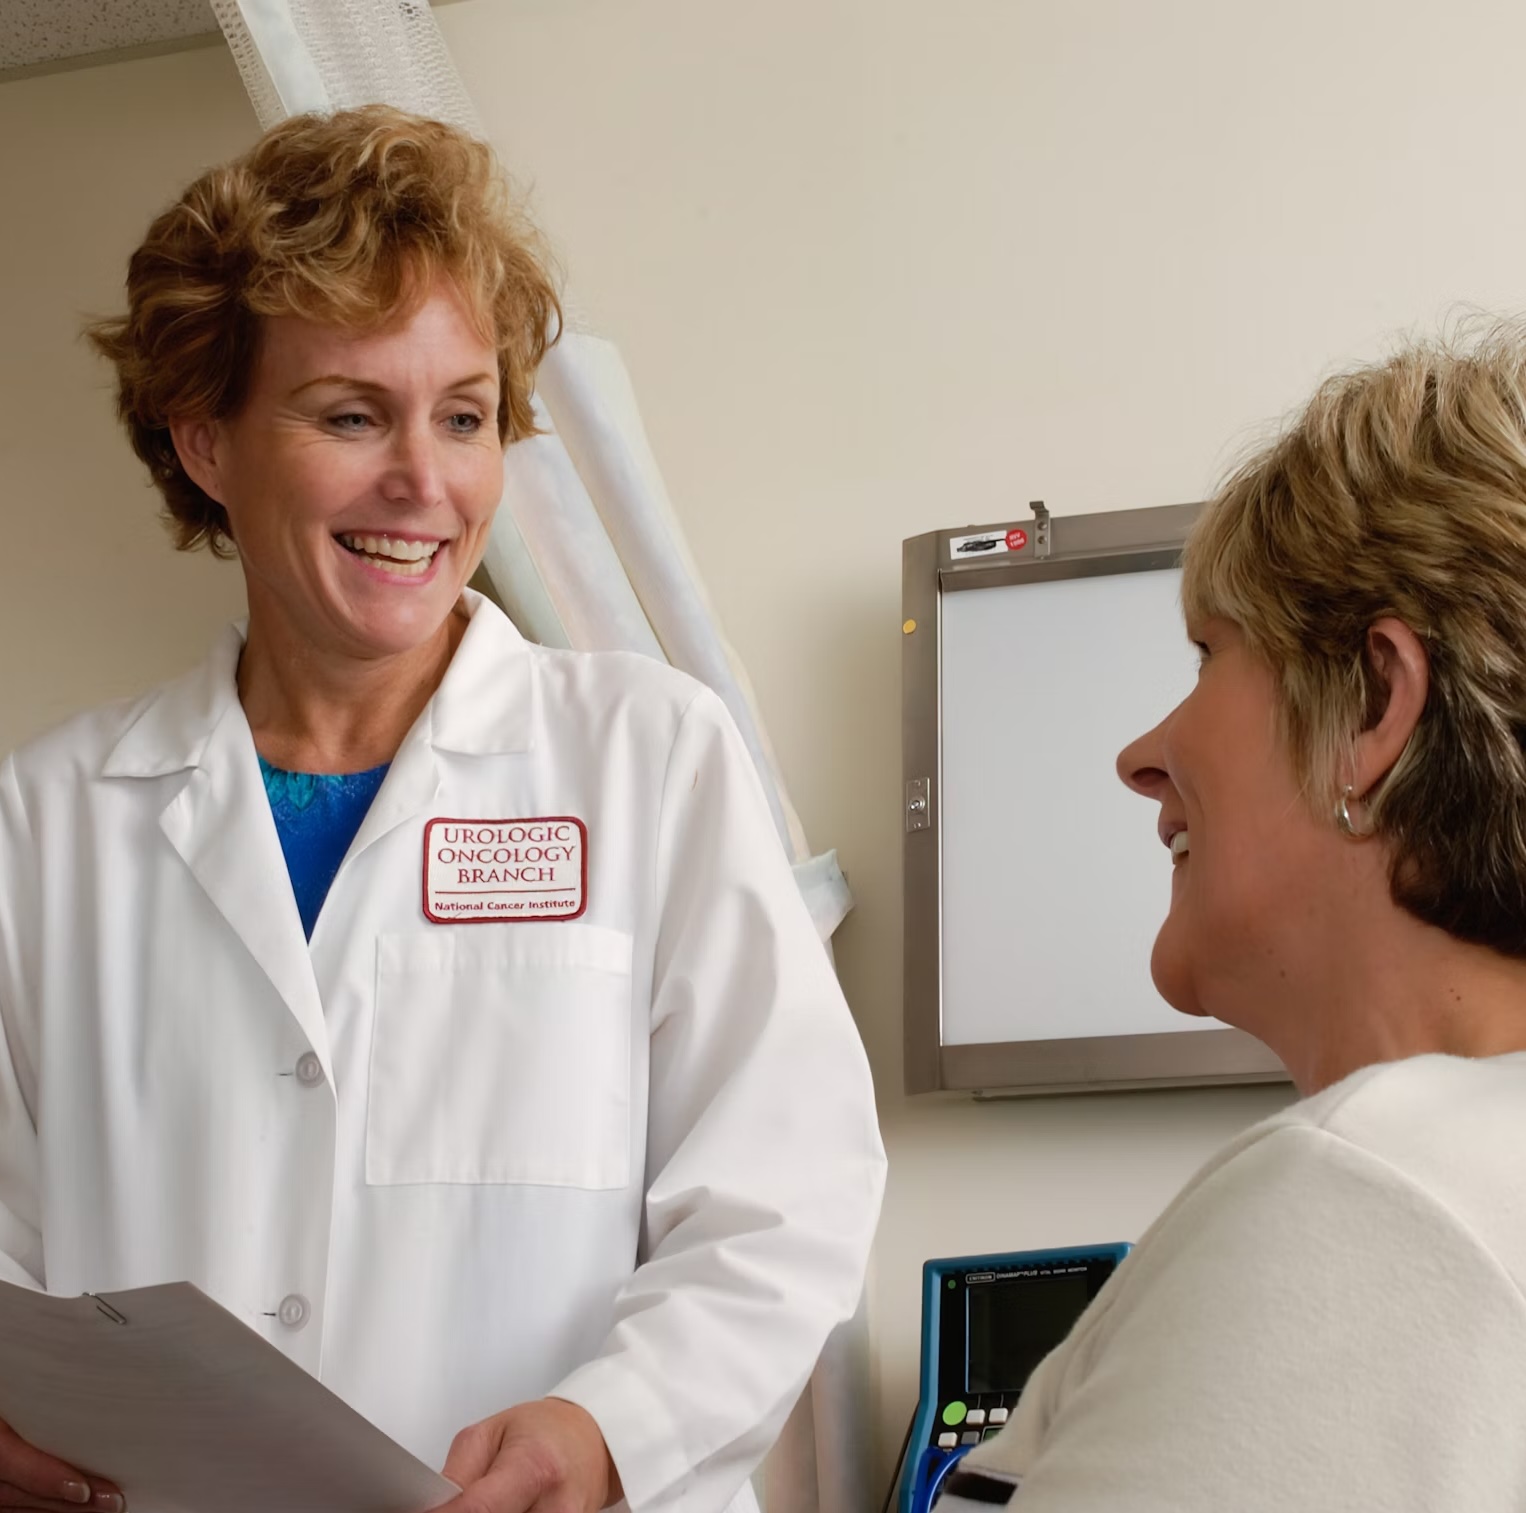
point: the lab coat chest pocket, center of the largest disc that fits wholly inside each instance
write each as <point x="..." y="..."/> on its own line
<point x="501" y="1054"/>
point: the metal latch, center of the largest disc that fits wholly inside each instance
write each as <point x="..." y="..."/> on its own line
<point x="1040" y="528"/>
<point x="919" y="808"/>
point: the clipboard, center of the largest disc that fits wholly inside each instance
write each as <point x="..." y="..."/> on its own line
<point x="190" y="1411"/>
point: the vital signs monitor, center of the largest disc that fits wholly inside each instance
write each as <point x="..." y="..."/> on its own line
<point x="987" y="1321"/>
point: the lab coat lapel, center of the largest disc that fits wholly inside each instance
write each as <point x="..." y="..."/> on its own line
<point x="487" y="704"/>
<point x="484" y="705"/>
<point x="220" y="823"/>
<point x="410" y="787"/>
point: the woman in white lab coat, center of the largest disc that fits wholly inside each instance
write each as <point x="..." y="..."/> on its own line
<point x="1332" y="1314"/>
<point x="440" y="1004"/>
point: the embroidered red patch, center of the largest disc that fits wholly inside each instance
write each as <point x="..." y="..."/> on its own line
<point x="483" y="871"/>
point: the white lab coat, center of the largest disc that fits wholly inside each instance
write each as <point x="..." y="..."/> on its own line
<point x="628" y="1159"/>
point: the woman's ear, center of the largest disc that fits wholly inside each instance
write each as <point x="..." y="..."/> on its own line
<point x="1399" y="661"/>
<point x="197" y="446"/>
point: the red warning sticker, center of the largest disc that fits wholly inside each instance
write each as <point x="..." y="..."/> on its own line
<point x="987" y="543"/>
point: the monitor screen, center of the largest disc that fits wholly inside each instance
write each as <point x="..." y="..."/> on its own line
<point x="1014" y="1322"/>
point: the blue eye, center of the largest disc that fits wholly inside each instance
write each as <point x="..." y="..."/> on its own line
<point x="343" y="422"/>
<point x="465" y="423"/>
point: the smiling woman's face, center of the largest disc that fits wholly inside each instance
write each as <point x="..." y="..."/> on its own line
<point x="1249" y="857"/>
<point x="360" y="477"/>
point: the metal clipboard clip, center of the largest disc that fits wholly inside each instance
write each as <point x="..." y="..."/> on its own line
<point x="103" y="1307"/>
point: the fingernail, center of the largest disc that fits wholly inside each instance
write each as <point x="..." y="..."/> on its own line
<point x="110" y="1502"/>
<point x="76" y="1491"/>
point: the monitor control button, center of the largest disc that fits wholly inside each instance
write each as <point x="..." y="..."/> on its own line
<point x="947" y="1440"/>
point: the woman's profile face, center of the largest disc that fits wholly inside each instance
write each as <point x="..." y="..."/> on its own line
<point x="1248" y="856"/>
<point x="361" y="477"/>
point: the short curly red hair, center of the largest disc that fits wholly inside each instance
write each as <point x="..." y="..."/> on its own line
<point x="345" y="219"/>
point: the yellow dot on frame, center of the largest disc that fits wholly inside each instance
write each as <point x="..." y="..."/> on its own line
<point x="908" y="627"/>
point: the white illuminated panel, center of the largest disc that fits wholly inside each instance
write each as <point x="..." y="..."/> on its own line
<point x="1054" y="880"/>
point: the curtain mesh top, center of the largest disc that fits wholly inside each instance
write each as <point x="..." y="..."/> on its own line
<point x="349" y="52"/>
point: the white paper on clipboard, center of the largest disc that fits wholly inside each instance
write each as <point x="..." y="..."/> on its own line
<point x="190" y="1411"/>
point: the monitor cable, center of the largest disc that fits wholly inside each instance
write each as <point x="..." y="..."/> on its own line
<point x="900" y="1460"/>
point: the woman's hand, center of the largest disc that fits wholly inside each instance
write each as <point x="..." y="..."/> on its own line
<point x="31" y="1479"/>
<point x="542" y="1457"/>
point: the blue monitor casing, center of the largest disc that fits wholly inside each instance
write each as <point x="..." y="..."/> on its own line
<point x="987" y="1321"/>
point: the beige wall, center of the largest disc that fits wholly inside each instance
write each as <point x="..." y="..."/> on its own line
<point x="93" y="602"/>
<point x="876" y="268"/>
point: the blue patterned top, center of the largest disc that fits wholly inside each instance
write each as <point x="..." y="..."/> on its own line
<point x="317" y="815"/>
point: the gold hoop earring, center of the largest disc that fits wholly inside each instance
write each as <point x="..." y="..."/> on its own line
<point x="1343" y="817"/>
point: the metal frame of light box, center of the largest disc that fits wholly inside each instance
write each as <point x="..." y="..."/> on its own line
<point x="1079" y="546"/>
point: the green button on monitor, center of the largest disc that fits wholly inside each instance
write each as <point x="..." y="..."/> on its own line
<point x="954" y="1414"/>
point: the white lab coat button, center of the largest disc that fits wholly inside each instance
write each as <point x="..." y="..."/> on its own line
<point x="309" y="1070"/>
<point x="294" y="1310"/>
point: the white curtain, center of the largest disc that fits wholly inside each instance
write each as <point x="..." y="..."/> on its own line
<point x="585" y="553"/>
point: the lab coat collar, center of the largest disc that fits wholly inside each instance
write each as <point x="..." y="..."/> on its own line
<point x="485" y="703"/>
<point x="175" y="724"/>
<point x="219" y="820"/>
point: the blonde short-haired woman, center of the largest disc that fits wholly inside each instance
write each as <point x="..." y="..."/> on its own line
<point x="1331" y="1315"/>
